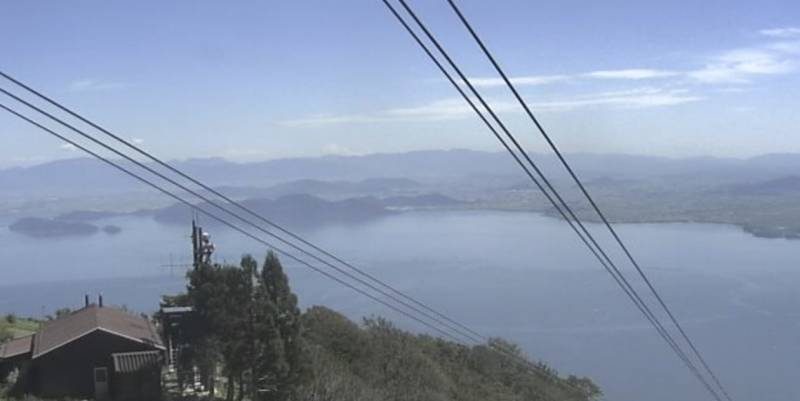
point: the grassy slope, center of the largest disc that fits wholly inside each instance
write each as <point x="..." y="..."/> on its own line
<point x="21" y="327"/>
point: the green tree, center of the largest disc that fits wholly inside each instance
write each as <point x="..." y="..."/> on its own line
<point x="249" y="325"/>
<point x="206" y="290"/>
<point x="236" y="327"/>
<point x="5" y="334"/>
<point x="281" y="364"/>
<point x="63" y="312"/>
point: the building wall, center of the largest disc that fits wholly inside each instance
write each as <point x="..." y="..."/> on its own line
<point x="144" y="385"/>
<point x="69" y="370"/>
<point x="8" y="365"/>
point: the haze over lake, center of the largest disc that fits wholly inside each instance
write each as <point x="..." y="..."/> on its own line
<point x="326" y="125"/>
<point x="517" y="275"/>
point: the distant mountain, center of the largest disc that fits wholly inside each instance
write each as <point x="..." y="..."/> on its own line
<point x="778" y="186"/>
<point x="425" y="201"/>
<point x="86" y="215"/>
<point x="302" y="210"/>
<point x="776" y="162"/>
<point x="293" y="210"/>
<point x="371" y="186"/>
<point x="88" y="177"/>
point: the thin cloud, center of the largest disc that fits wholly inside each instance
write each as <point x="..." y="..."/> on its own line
<point x="456" y="108"/>
<point x="334" y="149"/>
<point x="536" y="80"/>
<point x="729" y="71"/>
<point x="329" y="119"/>
<point x="533" y="80"/>
<point x="744" y="64"/>
<point x="68" y="147"/>
<point x="740" y="65"/>
<point x="787" y="32"/>
<point x="630" y="99"/>
<point x="631" y="73"/>
<point x="788" y="47"/>
<point x="86" y="85"/>
<point x="445" y="109"/>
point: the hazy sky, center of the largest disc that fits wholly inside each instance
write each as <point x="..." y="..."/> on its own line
<point x="269" y="79"/>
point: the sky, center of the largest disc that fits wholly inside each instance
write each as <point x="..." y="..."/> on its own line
<point x="256" y="80"/>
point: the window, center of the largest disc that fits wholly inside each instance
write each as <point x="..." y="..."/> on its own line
<point x="100" y="375"/>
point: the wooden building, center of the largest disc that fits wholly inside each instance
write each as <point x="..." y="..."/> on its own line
<point x="14" y="353"/>
<point x="97" y="353"/>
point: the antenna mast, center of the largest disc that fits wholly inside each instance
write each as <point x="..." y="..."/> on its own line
<point x="202" y="247"/>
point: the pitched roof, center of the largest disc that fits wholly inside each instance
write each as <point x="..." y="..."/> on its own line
<point x="61" y="331"/>
<point x="125" y="362"/>
<point x="16" y="347"/>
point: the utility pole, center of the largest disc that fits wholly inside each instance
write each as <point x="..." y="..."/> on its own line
<point x="202" y="248"/>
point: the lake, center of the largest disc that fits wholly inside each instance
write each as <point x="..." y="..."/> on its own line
<point x="517" y="275"/>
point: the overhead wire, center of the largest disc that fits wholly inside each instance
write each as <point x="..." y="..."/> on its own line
<point x="619" y="280"/>
<point x="228" y="211"/>
<point x="616" y="274"/>
<point x="516" y="358"/>
<point x="586" y="194"/>
<point x="240" y="206"/>
<point x="224" y="221"/>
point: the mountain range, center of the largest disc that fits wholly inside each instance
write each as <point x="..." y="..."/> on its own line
<point x="88" y="176"/>
<point x="759" y="194"/>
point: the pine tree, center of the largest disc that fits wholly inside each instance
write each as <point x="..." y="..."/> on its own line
<point x="205" y="290"/>
<point x="281" y="364"/>
<point x="234" y="326"/>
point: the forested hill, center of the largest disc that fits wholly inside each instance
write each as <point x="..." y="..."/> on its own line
<point x="377" y="361"/>
<point x="246" y="323"/>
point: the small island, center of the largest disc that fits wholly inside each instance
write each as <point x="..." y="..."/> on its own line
<point x="49" y="228"/>
<point x="112" y="229"/>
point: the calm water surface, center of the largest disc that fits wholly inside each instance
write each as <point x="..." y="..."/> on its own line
<point x="516" y="275"/>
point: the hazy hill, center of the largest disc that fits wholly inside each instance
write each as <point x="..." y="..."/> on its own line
<point x="421" y="201"/>
<point x="87" y="176"/>
<point x="759" y="194"/>
<point x="293" y="210"/>
<point x="341" y="188"/>
<point x="783" y="185"/>
<point x="72" y="176"/>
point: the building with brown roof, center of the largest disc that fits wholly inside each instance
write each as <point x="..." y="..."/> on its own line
<point x="16" y="349"/>
<point x="84" y="354"/>
<point x="13" y="353"/>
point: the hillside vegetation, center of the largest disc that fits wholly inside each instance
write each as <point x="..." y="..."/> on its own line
<point x="378" y="361"/>
<point x="250" y="341"/>
<point x="12" y="326"/>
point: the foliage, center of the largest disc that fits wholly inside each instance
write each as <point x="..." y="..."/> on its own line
<point x="248" y="322"/>
<point x="5" y="334"/>
<point x="63" y="312"/>
<point x="278" y="328"/>
<point x="381" y="362"/>
<point x="14" y="326"/>
<point x="249" y="328"/>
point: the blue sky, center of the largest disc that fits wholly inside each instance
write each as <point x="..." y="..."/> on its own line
<point x="262" y="80"/>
